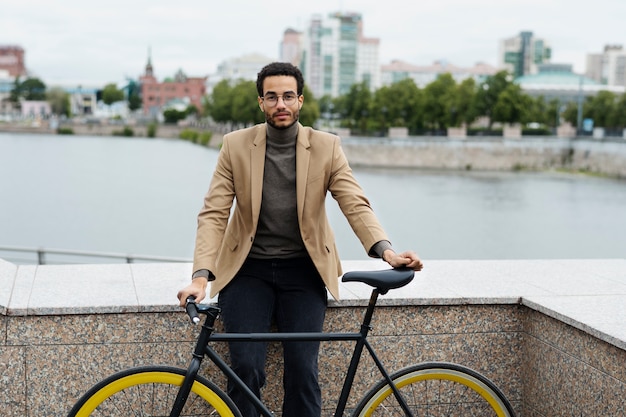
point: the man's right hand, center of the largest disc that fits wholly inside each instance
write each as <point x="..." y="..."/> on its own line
<point x="196" y="289"/>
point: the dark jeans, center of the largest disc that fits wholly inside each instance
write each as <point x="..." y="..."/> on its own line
<point x="291" y="293"/>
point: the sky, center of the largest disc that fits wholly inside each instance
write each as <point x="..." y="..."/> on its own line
<point x="91" y="43"/>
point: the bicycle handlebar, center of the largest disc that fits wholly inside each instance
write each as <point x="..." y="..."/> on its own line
<point x="192" y="310"/>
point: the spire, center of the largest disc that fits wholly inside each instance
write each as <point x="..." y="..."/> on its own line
<point x="149" y="71"/>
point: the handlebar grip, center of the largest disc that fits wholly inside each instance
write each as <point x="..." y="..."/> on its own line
<point x="192" y="310"/>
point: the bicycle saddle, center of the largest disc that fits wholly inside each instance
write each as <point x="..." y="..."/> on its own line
<point x="384" y="280"/>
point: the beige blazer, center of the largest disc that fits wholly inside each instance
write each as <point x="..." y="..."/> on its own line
<point x="228" y="220"/>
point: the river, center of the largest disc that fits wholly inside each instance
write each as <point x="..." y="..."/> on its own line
<point x="141" y="196"/>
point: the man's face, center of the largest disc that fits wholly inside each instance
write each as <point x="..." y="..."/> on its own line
<point x="280" y="102"/>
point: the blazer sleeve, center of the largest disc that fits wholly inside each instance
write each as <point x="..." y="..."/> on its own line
<point x="352" y="201"/>
<point x="213" y="217"/>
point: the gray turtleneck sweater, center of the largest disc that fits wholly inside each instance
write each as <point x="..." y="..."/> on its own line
<point x="278" y="231"/>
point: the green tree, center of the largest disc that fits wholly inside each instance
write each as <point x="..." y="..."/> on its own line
<point x="553" y="113"/>
<point x="326" y="106"/>
<point x="244" y="106"/>
<point x="16" y="93"/>
<point x="464" y="110"/>
<point x="173" y="115"/>
<point x="411" y="102"/>
<point x="397" y="105"/>
<point x="602" y="109"/>
<point x="220" y="103"/>
<point x="439" y="101"/>
<point x="537" y="111"/>
<point x="488" y="93"/>
<point x="33" y="89"/>
<point x="111" y="94"/>
<point x="386" y="108"/>
<point x="620" y="112"/>
<point x="310" y="112"/>
<point x="570" y="114"/>
<point x="29" y="89"/>
<point x="134" y="95"/>
<point x="357" y="106"/>
<point x="191" y="109"/>
<point x="511" y="106"/>
<point x="134" y="102"/>
<point x="59" y="101"/>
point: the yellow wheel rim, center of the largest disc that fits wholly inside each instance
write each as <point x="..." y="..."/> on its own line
<point x="152" y="378"/>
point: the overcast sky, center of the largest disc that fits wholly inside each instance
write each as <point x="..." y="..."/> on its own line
<point x="91" y="43"/>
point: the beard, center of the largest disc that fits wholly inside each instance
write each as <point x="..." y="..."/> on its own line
<point x="270" y="120"/>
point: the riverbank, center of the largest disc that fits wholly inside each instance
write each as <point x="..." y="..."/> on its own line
<point x="495" y="154"/>
<point x="587" y="155"/>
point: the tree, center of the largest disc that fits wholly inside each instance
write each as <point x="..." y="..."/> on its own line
<point x="29" y="89"/>
<point x="439" y="101"/>
<point x="620" y="112"/>
<point x="173" y="115"/>
<point x="511" y="105"/>
<point x="488" y="93"/>
<point x="244" y="107"/>
<point x="601" y="108"/>
<point x="219" y="104"/>
<point x="411" y="104"/>
<point x="310" y="111"/>
<point x="357" y="106"/>
<point x="134" y="102"/>
<point x="553" y="113"/>
<point x="16" y="93"/>
<point x="538" y="112"/>
<point x="59" y="101"/>
<point x="134" y="96"/>
<point x="464" y="110"/>
<point x="570" y="114"/>
<point x="33" y="89"/>
<point x="111" y="94"/>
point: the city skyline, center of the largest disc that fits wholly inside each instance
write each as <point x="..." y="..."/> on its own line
<point x="90" y="45"/>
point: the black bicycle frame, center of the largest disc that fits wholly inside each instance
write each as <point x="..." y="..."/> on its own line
<point x="206" y="335"/>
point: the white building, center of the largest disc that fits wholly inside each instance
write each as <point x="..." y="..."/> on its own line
<point x="608" y="67"/>
<point x="245" y="67"/>
<point x="424" y="75"/>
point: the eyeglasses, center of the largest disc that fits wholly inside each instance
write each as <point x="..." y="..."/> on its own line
<point x="272" y="99"/>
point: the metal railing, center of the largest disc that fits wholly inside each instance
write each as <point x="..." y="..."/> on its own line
<point x="43" y="256"/>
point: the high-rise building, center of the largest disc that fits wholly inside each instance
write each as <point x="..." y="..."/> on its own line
<point x="333" y="54"/>
<point x="608" y="67"/>
<point x="522" y="53"/>
<point x="291" y="47"/>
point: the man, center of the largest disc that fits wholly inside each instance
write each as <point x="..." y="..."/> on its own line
<point x="274" y="257"/>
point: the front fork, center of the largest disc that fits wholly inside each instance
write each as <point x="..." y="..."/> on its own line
<point x="196" y="361"/>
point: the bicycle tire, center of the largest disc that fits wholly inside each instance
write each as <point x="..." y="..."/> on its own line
<point x="436" y="389"/>
<point x="149" y="391"/>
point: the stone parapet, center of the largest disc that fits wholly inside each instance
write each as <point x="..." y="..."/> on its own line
<point x="550" y="333"/>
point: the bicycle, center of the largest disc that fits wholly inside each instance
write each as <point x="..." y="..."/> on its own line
<point x="428" y="389"/>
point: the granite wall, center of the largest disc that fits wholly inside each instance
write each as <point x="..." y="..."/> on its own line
<point x="550" y="333"/>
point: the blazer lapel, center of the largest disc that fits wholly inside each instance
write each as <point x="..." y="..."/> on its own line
<point x="257" y="166"/>
<point x="303" y="156"/>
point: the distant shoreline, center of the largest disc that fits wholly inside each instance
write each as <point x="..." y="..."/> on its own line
<point x="598" y="157"/>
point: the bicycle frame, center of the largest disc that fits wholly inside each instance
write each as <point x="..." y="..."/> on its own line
<point x="207" y="335"/>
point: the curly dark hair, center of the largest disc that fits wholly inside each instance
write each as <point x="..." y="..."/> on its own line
<point x="279" y="68"/>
